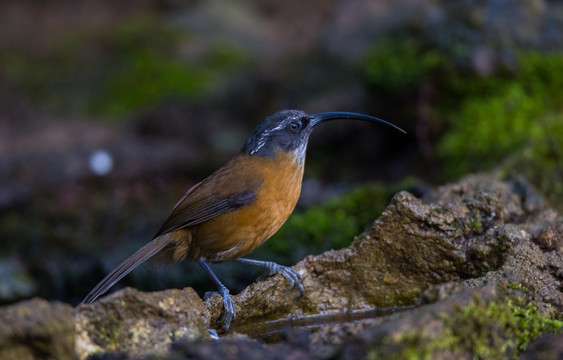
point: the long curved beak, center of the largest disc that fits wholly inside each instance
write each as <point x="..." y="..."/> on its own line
<point x="327" y="116"/>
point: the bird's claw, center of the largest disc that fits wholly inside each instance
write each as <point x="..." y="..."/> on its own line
<point x="291" y="275"/>
<point x="213" y="334"/>
<point x="229" y="306"/>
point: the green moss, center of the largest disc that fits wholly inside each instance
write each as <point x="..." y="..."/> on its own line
<point x="474" y="121"/>
<point x="397" y="62"/>
<point x="500" y="115"/>
<point x="145" y="79"/>
<point x="136" y="63"/>
<point x="146" y="67"/>
<point x="475" y="223"/>
<point x="411" y="346"/>
<point x="496" y="329"/>
<point x="515" y="116"/>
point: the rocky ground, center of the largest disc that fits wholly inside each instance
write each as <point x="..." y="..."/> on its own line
<point x="472" y="270"/>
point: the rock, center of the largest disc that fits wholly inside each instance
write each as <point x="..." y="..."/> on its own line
<point x="475" y="253"/>
<point x="140" y="324"/>
<point x="295" y="346"/>
<point x="548" y="347"/>
<point x="421" y="332"/>
<point x="461" y="234"/>
<point x="37" y="329"/>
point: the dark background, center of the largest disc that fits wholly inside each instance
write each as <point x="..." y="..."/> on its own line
<point x="170" y="90"/>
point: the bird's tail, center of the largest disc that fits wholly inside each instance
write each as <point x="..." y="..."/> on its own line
<point x="139" y="257"/>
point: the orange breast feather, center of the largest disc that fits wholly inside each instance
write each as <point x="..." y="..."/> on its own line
<point x="238" y="232"/>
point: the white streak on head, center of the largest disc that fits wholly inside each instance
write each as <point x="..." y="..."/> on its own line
<point x="264" y="137"/>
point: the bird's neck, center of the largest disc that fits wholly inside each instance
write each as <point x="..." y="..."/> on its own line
<point x="299" y="153"/>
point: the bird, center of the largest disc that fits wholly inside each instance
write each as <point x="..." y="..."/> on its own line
<point x="239" y="206"/>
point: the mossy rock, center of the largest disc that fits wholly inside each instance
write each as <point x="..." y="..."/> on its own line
<point x="499" y="326"/>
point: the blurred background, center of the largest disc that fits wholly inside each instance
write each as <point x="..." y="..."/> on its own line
<point x="111" y="110"/>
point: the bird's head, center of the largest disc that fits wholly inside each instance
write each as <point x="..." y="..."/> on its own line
<point x="289" y="131"/>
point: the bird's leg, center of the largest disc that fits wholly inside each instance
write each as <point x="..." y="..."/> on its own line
<point x="224" y="292"/>
<point x="291" y="275"/>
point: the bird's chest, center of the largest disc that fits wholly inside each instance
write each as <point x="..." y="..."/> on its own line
<point x="278" y="194"/>
<point x="239" y="232"/>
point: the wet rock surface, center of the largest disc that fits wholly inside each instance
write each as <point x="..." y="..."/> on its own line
<point x="472" y="270"/>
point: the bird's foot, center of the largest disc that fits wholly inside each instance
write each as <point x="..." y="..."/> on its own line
<point x="229" y="306"/>
<point x="291" y="275"/>
<point x="228" y="303"/>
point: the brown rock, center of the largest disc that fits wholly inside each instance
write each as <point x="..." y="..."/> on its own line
<point x="140" y="324"/>
<point x="412" y="246"/>
<point x="36" y="329"/>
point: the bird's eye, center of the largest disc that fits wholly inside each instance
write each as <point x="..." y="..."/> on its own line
<point x="294" y="125"/>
